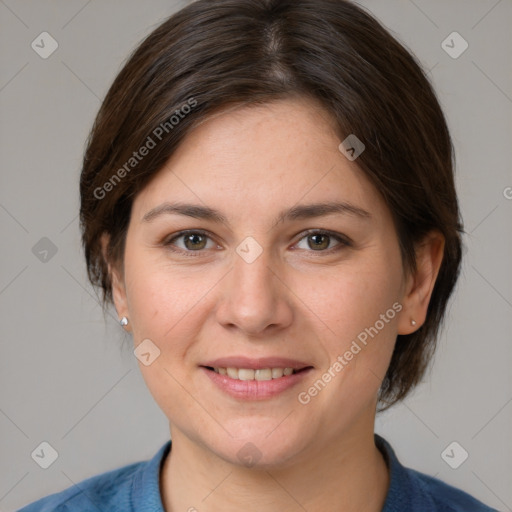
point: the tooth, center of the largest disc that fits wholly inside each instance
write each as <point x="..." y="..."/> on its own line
<point x="232" y="372"/>
<point x="260" y="374"/>
<point x="277" y="372"/>
<point x="263" y="374"/>
<point x="245" y="374"/>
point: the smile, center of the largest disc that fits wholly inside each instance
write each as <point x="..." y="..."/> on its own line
<point x="255" y="379"/>
<point x="250" y="374"/>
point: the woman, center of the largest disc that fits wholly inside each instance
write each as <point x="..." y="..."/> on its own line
<point x="267" y="199"/>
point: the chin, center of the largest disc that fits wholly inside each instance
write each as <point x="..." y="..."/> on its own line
<point x="265" y="448"/>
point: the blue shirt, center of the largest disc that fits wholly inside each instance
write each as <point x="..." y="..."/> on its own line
<point x="135" y="488"/>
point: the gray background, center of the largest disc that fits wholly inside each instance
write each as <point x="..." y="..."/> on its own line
<point x="66" y="378"/>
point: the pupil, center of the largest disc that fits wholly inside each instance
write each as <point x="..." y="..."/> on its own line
<point x="195" y="240"/>
<point x="319" y="240"/>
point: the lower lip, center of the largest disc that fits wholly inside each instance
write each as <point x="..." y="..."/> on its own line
<point x="255" y="389"/>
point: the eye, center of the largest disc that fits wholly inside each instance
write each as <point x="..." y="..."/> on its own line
<point x="193" y="241"/>
<point x="196" y="241"/>
<point x="321" y="241"/>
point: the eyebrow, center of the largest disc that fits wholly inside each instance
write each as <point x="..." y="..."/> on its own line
<point x="299" y="212"/>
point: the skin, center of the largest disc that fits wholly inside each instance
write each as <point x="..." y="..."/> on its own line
<point x="294" y="300"/>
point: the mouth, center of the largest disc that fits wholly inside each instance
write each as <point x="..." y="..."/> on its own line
<point x="260" y="374"/>
<point x="255" y="379"/>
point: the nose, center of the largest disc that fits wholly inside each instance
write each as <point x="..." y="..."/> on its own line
<point x="255" y="298"/>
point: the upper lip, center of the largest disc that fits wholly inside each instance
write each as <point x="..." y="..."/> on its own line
<point x="256" y="363"/>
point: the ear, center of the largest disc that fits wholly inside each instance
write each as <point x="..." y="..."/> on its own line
<point x="117" y="280"/>
<point x="420" y="284"/>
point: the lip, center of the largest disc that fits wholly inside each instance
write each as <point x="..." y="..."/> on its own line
<point x="256" y="363"/>
<point x="253" y="389"/>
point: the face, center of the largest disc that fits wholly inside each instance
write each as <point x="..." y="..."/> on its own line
<point x="264" y="278"/>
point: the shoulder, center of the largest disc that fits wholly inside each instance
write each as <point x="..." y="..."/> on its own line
<point x="95" y="493"/>
<point x="125" y="489"/>
<point x="446" y="498"/>
<point x="412" y="491"/>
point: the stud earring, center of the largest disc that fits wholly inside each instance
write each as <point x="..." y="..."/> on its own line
<point x="413" y="322"/>
<point x="124" y="321"/>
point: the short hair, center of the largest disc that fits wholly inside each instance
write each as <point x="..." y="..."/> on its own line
<point x="216" y="54"/>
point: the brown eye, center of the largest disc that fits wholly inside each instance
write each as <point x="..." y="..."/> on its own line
<point x="322" y="241"/>
<point x="194" y="241"/>
<point x="318" y="241"/>
<point x="189" y="242"/>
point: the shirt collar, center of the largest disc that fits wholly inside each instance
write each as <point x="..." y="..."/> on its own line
<point x="146" y="492"/>
<point x="146" y="496"/>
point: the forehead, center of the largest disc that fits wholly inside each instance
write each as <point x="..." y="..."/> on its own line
<point x="252" y="157"/>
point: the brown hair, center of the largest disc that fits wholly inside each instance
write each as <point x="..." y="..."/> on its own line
<point x="218" y="53"/>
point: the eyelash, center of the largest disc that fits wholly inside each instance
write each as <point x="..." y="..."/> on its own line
<point x="343" y="241"/>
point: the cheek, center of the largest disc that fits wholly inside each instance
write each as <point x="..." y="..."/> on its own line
<point x="161" y="304"/>
<point x="166" y="302"/>
<point x="360" y="308"/>
<point x="354" y="299"/>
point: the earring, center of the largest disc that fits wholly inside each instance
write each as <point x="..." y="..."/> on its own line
<point x="413" y="322"/>
<point x="124" y="321"/>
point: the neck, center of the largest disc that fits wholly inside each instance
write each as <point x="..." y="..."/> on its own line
<point x="349" y="475"/>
